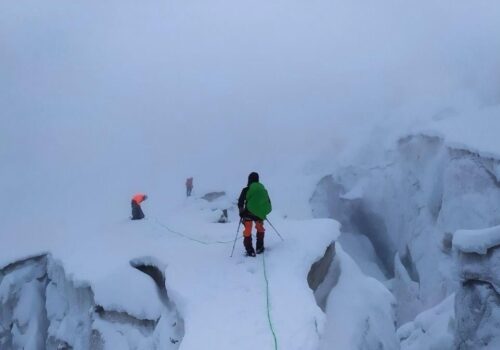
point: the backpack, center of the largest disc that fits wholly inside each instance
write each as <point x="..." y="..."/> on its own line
<point x="257" y="200"/>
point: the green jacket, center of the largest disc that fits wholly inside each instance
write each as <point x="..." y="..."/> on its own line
<point x="258" y="201"/>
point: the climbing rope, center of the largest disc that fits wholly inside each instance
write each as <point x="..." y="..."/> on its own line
<point x="271" y="326"/>
<point x="188" y="236"/>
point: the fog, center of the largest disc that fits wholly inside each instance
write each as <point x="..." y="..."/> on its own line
<point x="99" y="99"/>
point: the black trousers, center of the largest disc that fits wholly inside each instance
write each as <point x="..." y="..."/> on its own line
<point x="137" y="213"/>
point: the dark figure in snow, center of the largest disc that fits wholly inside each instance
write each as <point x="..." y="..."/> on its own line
<point x="189" y="186"/>
<point x="137" y="213"/>
<point x="254" y="205"/>
<point x="223" y="217"/>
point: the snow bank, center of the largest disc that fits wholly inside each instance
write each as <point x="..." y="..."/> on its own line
<point x="42" y="308"/>
<point x="359" y="312"/>
<point x="407" y="291"/>
<point x="433" y="329"/>
<point x="476" y="241"/>
<point x="475" y="131"/>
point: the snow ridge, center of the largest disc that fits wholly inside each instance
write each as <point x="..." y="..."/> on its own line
<point x="477" y="241"/>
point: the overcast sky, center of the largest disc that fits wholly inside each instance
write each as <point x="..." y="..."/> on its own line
<point x="102" y="98"/>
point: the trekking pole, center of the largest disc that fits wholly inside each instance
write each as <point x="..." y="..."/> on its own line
<point x="235" y="238"/>
<point x="275" y="230"/>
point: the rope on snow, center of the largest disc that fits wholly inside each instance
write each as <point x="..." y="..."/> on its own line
<point x="271" y="326"/>
<point x="190" y="237"/>
<point x="266" y="279"/>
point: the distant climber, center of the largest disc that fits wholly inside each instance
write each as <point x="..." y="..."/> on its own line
<point x="137" y="213"/>
<point x="189" y="186"/>
<point x="223" y="217"/>
<point x="254" y="205"/>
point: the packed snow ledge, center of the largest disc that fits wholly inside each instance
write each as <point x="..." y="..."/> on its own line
<point x="477" y="241"/>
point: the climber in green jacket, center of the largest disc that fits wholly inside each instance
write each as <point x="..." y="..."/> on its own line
<point x="254" y="205"/>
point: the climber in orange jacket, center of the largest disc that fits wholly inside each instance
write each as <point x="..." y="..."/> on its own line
<point x="137" y="213"/>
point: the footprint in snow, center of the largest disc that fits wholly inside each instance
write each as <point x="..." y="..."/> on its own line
<point x="251" y="269"/>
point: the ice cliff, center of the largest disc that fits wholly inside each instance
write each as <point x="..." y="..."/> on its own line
<point x="43" y="308"/>
<point x="398" y="217"/>
<point x="477" y="303"/>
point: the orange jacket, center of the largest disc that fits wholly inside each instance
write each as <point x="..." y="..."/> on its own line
<point x="139" y="198"/>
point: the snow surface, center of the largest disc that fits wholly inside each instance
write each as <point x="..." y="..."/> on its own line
<point x="474" y="130"/>
<point x="203" y="282"/>
<point x="477" y="241"/>
<point x="433" y="329"/>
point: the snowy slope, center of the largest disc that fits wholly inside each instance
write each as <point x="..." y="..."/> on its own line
<point x="355" y="321"/>
<point x="221" y="300"/>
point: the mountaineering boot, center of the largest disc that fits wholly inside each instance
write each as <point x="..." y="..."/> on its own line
<point x="252" y="254"/>
<point x="259" y="247"/>
<point x="247" y="242"/>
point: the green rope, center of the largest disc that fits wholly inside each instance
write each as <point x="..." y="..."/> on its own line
<point x="189" y="237"/>
<point x="271" y="327"/>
